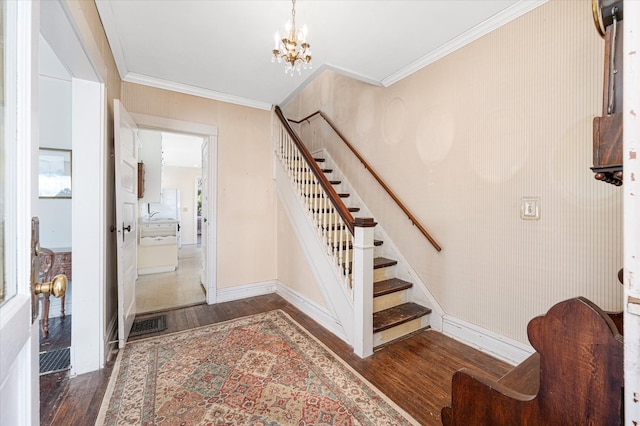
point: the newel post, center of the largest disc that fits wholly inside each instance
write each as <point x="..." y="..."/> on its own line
<point x="363" y="286"/>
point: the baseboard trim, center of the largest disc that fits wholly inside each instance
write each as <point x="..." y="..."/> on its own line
<point x="318" y="313"/>
<point x="244" y="291"/>
<point x="501" y="347"/>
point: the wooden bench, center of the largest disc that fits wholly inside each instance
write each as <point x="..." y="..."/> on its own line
<point x="575" y="377"/>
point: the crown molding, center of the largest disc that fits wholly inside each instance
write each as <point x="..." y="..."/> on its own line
<point x="475" y="33"/>
<point x="195" y="91"/>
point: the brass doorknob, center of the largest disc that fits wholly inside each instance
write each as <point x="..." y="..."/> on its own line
<point x="57" y="287"/>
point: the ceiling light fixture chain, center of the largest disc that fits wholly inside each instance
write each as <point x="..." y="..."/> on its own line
<point x="293" y="48"/>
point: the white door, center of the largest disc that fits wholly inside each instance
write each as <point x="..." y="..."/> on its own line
<point x="126" y="174"/>
<point x="203" y="223"/>
<point x="19" y="387"/>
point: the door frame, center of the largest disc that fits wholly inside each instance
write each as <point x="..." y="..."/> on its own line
<point x="60" y="27"/>
<point x="210" y="133"/>
<point x="195" y="208"/>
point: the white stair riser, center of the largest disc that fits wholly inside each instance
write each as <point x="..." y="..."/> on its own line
<point x="382" y="274"/>
<point x="381" y="303"/>
<point x="393" y="333"/>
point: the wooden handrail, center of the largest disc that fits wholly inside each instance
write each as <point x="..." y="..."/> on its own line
<point x="335" y="199"/>
<point x="375" y="175"/>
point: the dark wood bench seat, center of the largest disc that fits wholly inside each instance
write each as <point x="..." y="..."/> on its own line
<point x="575" y="377"/>
<point x="525" y="377"/>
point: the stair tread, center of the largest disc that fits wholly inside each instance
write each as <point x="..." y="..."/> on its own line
<point x="332" y="210"/>
<point x="376" y="243"/>
<point x="383" y="262"/>
<point x="335" y="226"/>
<point x="320" y="160"/>
<point x="389" y="286"/>
<point x="341" y="195"/>
<point x="397" y="315"/>
<point x="305" y="170"/>
<point x="312" y="182"/>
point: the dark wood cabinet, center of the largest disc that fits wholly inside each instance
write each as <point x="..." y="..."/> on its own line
<point x="607" y="129"/>
<point x="140" y="180"/>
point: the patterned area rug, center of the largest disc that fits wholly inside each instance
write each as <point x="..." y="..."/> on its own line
<point x="259" y="370"/>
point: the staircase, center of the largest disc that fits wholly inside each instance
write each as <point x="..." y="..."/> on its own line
<point x="365" y="282"/>
<point x="394" y="314"/>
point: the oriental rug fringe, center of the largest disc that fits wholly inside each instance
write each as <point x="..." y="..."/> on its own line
<point x="263" y="369"/>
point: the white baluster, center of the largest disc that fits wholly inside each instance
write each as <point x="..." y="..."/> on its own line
<point x="347" y="259"/>
<point x="341" y="259"/>
<point x="301" y="173"/>
<point x="332" y="240"/>
<point x="321" y="203"/>
<point x="307" y="185"/>
<point x="285" y="143"/>
<point x="322" y="209"/>
<point x="280" y="146"/>
<point x="289" y="154"/>
<point x="316" y="203"/>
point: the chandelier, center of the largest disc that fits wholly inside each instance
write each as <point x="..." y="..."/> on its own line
<point x="293" y="48"/>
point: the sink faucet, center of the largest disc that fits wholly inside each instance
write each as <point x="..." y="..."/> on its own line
<point x="152" y="214"/>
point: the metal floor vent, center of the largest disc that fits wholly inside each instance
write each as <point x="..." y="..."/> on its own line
<point x="149" y="325"/>
<point x="55" y="361"/>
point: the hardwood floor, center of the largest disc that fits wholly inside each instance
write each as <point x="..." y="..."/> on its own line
<point x="59" y="334"/>
<point x="415" y="372"/>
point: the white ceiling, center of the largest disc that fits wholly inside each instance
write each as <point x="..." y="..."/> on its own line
<point x="221" y="49"/>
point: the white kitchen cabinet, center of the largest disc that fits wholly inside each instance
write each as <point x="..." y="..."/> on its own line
<point x="157" y="246"/>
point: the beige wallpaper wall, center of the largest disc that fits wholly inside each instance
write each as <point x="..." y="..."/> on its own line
<point x="463" y="141"/>
<point x="246" y="200"/>
<point x="293" y="269"/>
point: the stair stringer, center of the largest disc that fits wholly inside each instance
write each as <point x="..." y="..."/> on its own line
<point x="419" y="293"/>
<point x="321" y="265"/>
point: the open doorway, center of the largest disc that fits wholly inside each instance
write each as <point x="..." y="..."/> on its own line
<point x="73" y="97"/>
<point x="55" y="207"/>
<point x="169" y="253"/>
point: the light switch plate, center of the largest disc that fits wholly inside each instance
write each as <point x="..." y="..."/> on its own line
<point x="530" y="208"/>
